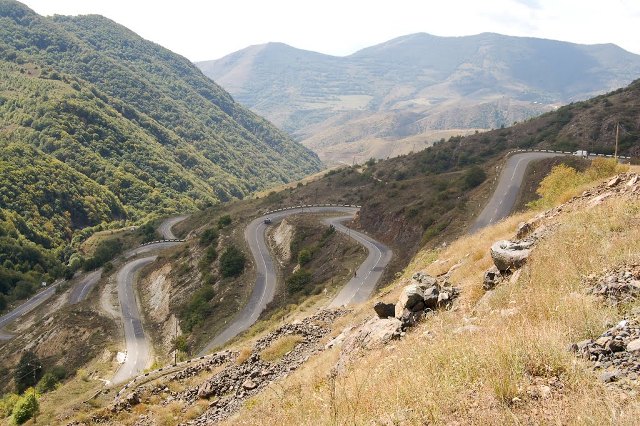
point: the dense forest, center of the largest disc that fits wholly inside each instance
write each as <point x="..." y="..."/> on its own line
<point x="99" y="126"/>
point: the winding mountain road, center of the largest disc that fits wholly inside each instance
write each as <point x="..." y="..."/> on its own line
<point x="166" y="227"/>
<point x="80" y="291"/>
<point x="361" y="286"/>
<point x="136" y="342"/>
<point x="137" y="352"/>
<point x="504" y="197"/>
<point x="356" y="290"/>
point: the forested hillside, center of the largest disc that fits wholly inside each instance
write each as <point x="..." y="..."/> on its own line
<point x="99" y="125"/>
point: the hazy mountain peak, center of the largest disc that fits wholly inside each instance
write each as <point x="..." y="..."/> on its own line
<point x="416" y="86"/>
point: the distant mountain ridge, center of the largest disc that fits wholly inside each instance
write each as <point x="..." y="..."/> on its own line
<point x="99" y="125"/>
<point x="414" y="87"/>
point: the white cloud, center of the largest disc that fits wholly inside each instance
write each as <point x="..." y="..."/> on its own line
<point x="207" y="30"/>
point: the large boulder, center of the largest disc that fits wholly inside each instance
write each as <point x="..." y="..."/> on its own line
<point x="375" y="332"/>
<point x="510" y="255"/>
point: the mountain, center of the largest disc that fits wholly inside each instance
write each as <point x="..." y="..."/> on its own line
<point x="415" y="89"/>
<point x="98" y="125"/>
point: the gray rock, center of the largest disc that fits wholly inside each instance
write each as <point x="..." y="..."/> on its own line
<point x="206" y="390"/>
<point x="615" y="345"/>
<point x="510" y="255"/>
<point x="608" y="376"/>
<point x="443" y="298"/>
<point x="431" y="297"/>
<point x="492" y="278"/>
<point x="411" y="318"/>
<point x="374" y="333"/>
<point x="424" y="279"/>
<point x="613" y="182"/>
<point x="524" y="229"/>
<point x="411" y="295"/>
<point x="633" y="345"/>
<point x="384" y="310"/>
<point x="132" y="399"/>
<point x="249" y="384"/>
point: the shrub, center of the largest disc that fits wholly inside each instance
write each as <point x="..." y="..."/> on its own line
<point x="25" y="408"/>
<point x="7" y="403"/>
<point x="298" y="280"/>
<point x="47" y="383"/>
<point x="209" y="236"/>
<point x="560" y="183"/>
<point x="224" y="221"/>
<point x="474" y="177"/>
<point x="304" y="256"/>
<point x="198" y="308"/>
<point x="232" y="262"/>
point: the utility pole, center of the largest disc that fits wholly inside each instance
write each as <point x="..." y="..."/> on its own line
<point x="617" y="137"/>
<point x="35" y="412"/>
<point x="175" y="352"/>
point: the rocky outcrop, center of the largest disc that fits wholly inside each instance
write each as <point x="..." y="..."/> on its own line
<point x="616" y="286"/>
<point x="615" y="354"/>
<point x="423" y="295"/>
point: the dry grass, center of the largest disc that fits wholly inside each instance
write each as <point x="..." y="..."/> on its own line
<point x="486" y="376"/>
<point x="243" y="355"/>
<point x="280" y="347"/>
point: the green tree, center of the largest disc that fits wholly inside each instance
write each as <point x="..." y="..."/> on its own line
<point x="28" y="372"/>
<point x="180" y="343"/>
<point x="304" y="256"/>
<point x="25" y="408"/>
<point x="232" y="262"/>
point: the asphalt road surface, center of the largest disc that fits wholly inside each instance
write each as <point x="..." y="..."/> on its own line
<point x="504" y="197"/>
<point x="361" y="286"/>
<point x="165" y="227"/>
<point x="137" y="346"/>
<point x="266" y="272"/>
<point x="149" y="248"/>
<point x="81" y="290"/>
<point x="26" y="307"/>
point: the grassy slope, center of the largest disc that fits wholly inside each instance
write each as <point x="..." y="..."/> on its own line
<point x="496" y="374"/>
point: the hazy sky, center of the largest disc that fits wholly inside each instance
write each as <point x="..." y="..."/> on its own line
<point x="201" y="29"/>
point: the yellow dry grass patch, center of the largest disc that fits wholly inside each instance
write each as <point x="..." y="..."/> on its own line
<point x="439" y="374"/>
<point x="280" y="347"/>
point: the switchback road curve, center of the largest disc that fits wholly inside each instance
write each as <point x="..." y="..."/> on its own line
<point x="136" y="342"/>
<point x="501" y="203"/>
<point x="356" y="290"/>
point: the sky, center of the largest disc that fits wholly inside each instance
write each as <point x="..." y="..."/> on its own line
<point x="210" y="29"/>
